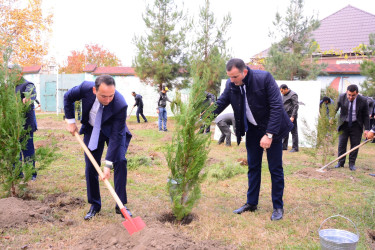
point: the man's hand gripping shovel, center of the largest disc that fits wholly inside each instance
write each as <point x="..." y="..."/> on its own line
<point x="132" y="225"/>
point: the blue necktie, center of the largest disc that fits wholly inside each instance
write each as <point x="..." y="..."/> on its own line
<point x="244" y="108"/>
<point x="93" y="144"/>
<point x="350" y="114"/>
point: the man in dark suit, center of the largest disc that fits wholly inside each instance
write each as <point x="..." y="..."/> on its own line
<point x="258" y="112"/>
<point x="139" y="104"/>
<point x="370" y="136"/>
<point x="29" y="152"/>
<point x="354" y="117"/>
<point x="103" y="121"/>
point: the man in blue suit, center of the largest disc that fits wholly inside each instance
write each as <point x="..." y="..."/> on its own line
<point x="258" y="112"/>
<point x="103" y="119"/>
<point x="29" y="152"/>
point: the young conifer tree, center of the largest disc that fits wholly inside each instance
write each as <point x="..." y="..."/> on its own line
<point x="187" y="153"/>
<point x="13" y="136"/>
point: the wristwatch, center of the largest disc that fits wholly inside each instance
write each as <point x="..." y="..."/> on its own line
<point x="269" y="135"/>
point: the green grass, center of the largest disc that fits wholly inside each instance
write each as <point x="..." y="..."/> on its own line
<point x="308" y="199"/>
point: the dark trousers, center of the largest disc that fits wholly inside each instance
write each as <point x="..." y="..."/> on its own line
<point x="140" y="112"/>
<point x="225" y="132"/>
<point x="294" y="133"/>
<point x="354" y="134"/>
<point x="254" y="158"/>
<point x="29" y="151"/>
<point x="92" y="176"/>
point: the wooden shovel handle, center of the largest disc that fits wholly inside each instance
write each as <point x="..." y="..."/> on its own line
<point x="341" y="156"/>
<point x="99" y="170"/>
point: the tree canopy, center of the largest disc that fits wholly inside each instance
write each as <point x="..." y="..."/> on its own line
<point x="368" y="69"/>
<point x="209" y="53"/>
<point x="24" y="29"/>
<point x="292" y="57"/>
<point x="160" y="55"/>
<point x="91" y="54"/>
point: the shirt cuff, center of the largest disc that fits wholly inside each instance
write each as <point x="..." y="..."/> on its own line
<point x="109" y="164"/>
<point x="372" y="131"/>
<point x="71" y="121"/>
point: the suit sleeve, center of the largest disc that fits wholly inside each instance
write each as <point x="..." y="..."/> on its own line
<point x="275" y="104"/>
<point x="74" y="94"/>
<point x="295" y="105"/>
<point x="224" y="100"/>
<point x="366" y="118"/>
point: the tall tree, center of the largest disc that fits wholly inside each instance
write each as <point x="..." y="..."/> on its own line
<point x="292" y="57"/>
<point x="209" y="53"/>
<point x="368" y="68"/>
<point x="159" y="56"/>
<point x="91" y="54"/>
<point x="24" y="29"/>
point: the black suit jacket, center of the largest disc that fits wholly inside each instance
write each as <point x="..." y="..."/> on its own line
<point x="361" y="111"/>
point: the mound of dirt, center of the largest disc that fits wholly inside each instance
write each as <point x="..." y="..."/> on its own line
<point x="17" y="212"/>
<point x="154" y="236"/>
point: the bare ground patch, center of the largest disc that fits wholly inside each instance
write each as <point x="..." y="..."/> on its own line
<point x="154" y="236"/>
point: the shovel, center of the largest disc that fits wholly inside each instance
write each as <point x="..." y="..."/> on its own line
<point x="341" y="156"/>
<point x="131" y="111"/>
<point x="132" y="225"/>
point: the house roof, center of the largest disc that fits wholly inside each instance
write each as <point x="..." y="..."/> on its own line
<point x="89" y="68"/>
<point x="31" y="69"/>
<point x="345" y="29"/>
<point x="115" y="71"/>
<point x="342" y="31"/>
<point x="118" y="71"/>
<point x="351" y="69"/>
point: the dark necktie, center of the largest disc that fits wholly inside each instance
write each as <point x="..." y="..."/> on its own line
<point x="93" y="144"/>
<point x="244" y="107"/>
<point x="350" y="114"/>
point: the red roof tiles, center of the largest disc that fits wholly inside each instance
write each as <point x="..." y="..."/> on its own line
<point x="118" y="71"/>
<point x="31" y="69"/>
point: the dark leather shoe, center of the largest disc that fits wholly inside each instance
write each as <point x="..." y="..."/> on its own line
<point x="277" y="214"/>
<point x="372" y="175"/>
<point x="352" y="168"/>
<point x="118" y="211"/>
<point x="92" y="212"/>
<point x="244" y="208"/>
<point x="339" y="166"/>
<point x="293" y="150"/>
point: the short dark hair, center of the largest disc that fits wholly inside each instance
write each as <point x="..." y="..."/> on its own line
<point x="326" y="99"/>
<point x="107" y="79"/>
<point x="133" y="92"/>
<point x="237" y="63"/>
<point x="284" y="86"/>
<point x="352" y="88"/>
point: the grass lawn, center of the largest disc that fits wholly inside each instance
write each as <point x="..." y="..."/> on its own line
<point x="309" y="196"/>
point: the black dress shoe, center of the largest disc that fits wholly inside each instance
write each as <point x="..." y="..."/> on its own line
<point x="352" y="168"/>
<point x="244" y="208"/>
<point x="339" y="166"/>
<point x="293" y="150"/>
<point x="277" y="214"/>
<point x="372" y="175"/>
<point x="92" y="212"/>
<point x="118" y="211"/>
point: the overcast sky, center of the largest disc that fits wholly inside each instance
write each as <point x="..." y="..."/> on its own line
<point x="114" y="23"/>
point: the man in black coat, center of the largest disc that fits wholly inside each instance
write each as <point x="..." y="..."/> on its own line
<point x="290" y="101"/>
<point x="259" y="113"/>
<point x="139" y="104"/>
<point x="354" y="117"/>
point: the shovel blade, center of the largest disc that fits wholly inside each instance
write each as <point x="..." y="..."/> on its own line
<point x="134" y="225"/>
